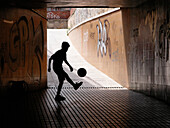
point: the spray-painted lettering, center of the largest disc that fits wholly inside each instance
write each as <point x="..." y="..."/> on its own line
<point x="164" y="39"/>
<point x="24" y="38"/>
<point x="103" y="39"/>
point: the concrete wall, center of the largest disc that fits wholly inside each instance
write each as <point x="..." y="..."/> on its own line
<point x="57" y="24"/>
<point x="80" y="14"/>
<point x="137" y="47"/>
<point x="147" y="37"/>
<point x="58" y="14"/>
<point x="57" y="19"/>
<point x="101" y="42"/>
<point x="23" y="47"/>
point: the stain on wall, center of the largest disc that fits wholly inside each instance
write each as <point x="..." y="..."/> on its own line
<point x="102" y="45"/>
<point x="22" y="47"/>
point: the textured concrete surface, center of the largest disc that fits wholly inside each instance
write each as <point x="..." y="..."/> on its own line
<point x="79" y="15"/>
<point x="57" y="24"/>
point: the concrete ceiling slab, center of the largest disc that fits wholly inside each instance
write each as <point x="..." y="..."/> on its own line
<point x="71" y="3"/>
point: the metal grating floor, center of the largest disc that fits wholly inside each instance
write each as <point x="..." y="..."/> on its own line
<point x="85" y="108"/>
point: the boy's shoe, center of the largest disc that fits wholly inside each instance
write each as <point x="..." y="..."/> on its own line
<point x="77" y="85"/>
<point x="59" y="98"/>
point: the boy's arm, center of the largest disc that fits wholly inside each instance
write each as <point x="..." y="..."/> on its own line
<point x="49" y="64"/>
<point x="71" y="69"/>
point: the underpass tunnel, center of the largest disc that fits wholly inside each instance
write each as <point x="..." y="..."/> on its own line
<point x="123" y="45"/>
<point x="129" y="44"/>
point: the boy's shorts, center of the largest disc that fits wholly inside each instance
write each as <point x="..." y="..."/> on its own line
<point x="61" y="74"/>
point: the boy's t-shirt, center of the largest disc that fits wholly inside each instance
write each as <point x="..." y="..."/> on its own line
<point x="58" y="59"/>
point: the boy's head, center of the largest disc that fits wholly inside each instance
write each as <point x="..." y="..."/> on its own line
<point x="65" y="45"/>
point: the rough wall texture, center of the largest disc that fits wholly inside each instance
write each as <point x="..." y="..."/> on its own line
<point x="58" y="19"/>
<point x="23" y="52"/>
<point x="137" y="47"/>
<point x="147" y="37"/>
<point x="57" y="24"/>
<point x="58" y="14"/>
<point x="81" y="14"/>
<point x="101" y="43"/>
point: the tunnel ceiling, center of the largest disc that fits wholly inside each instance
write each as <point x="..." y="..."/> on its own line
<point x="71" y="3"/>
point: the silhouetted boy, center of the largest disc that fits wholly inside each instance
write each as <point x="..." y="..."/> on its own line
<point x="58" y="59"/>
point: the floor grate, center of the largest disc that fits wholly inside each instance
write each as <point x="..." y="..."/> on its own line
<point x="53" y="87"/>
<point x="84" y="108"/>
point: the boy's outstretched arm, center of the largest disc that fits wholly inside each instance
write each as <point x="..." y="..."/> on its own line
<point x="49" y="65"/>
<point x="71" y="69"/>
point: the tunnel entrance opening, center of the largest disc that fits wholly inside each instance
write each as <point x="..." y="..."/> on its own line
<point x="55" y="37"/>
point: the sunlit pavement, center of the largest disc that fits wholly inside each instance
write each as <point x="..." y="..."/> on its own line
<point x="99" y="102"/>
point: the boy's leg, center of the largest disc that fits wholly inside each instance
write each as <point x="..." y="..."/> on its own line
<point x="58" y="97"/>
<point x="69" y="79"/>
<point x="59" y="87"/>
<point x="61" y="79"/>
<point x="75" y="85"/>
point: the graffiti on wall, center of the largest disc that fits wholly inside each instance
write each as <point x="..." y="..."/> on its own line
<point x="51" y="15"/>
<point x="92" y="33"/>
<point x="164" y="33"/>
<point x="24" y="39"/>
<point x="3" y="46"/>
<point x="115" y="55"/>
<point x="135" y="32"/>
<point x="36" y="49"/>
<point x="58" y="15"/>
<point x="103" y="39"/>
<point x="85" y="36"/>
<point x="151" y="20"/>
<point x="164" y="39"/>
<point x="17" y="41"/>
